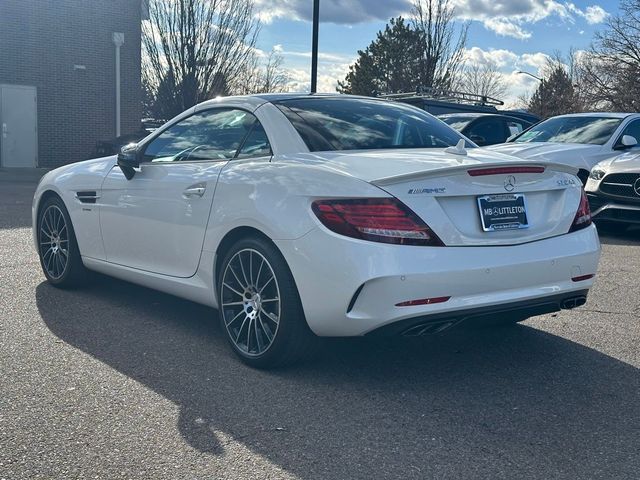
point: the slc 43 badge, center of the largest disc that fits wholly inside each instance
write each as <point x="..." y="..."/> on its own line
<point x="565" y="182"/>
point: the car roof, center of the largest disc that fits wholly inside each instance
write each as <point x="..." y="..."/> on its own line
<point x="258" y="99"/>
<point x="597" y="114"/>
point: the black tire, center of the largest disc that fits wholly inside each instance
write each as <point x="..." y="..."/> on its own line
<point x="59" y="257"/>
<point x="607" y="226"/>
<point x="268" y="344"/>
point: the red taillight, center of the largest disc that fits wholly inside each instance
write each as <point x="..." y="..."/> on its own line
<point x="422" y="301"/>
<point x="479" y="172"/>
<point x="583" y="215"/>
<point x="384" y="220"/>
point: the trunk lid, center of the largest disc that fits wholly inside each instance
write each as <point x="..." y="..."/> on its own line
<point x="437" y="186"/>
<point x="447" y="200"/>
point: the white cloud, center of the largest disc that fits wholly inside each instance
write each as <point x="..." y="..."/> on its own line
<point x="537" y="60"/>
<point x="499" y="57"/>
<point x="333" y="11"/>
<point x="506" y="28"/>
<point x="322" y="56"/>
<point x="328" y="76"/>
<point x="595" y="14"/>
<point x="509" y="18"/>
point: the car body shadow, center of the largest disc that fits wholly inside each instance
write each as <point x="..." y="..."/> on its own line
<point x="485" y="403"/>
<point x="631" y="236"/>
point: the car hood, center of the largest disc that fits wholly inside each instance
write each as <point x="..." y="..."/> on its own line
<point x="570" y="153"/>
<point x="372" y="165"/>
<point x="627" y="162"/>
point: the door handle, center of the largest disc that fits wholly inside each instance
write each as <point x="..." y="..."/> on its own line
<point x="196" y="190"/>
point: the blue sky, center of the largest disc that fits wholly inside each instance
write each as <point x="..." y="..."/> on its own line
<point x="515" y="34"/>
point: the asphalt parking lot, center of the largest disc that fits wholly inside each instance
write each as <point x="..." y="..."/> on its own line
<point x="117" y="381"/>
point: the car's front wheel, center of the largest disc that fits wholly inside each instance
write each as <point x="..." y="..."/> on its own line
<point x="57" y="245"/>
<point x="260" y="309"/>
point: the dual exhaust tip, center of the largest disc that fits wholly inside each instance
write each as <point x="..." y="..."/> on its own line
<point x="573" y="302"/>
<point x="428" y="328"/>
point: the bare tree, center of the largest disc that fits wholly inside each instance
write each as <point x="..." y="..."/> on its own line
<point x="195" y="49"/>
<point x="608" y="72"/>
<point x="484" y="79"/>
<point x="264" y="77"/>
<point x="441" y="47"/>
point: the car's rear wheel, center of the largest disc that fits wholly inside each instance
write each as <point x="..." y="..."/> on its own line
<point x="57" y="245"/>
<point x="260" y="309"/>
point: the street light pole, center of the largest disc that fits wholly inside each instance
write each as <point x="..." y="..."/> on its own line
<point x="314" y="46"/>
<point x="531" y="75"/>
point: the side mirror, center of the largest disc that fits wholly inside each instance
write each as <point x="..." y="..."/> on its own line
<point x="128" y="159"/>
<point x="478" y="140"/>
<point x="627" y="141"/>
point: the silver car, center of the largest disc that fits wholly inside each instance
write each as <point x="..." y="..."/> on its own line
<point x="613" y="190"/>
<point x="580" y="140"/>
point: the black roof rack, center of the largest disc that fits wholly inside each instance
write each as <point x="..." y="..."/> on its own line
<point x="430" y="93"/>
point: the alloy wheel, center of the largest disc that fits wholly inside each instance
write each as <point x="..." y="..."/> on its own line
<point x="250" y="302"/>
<point x="53" y="238"/>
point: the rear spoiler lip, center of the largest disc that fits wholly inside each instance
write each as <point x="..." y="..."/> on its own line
<point x="446" y="171"/>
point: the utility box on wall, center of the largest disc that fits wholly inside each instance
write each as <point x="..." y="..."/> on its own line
<point x="64" y="50"/>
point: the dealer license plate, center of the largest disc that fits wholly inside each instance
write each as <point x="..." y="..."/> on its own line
<point x="503" y="212"/>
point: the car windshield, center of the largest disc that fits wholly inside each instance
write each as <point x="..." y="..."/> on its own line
<point x="589" y="130"/>
<point x="336" y="123"/>
<point x="456" y="122"/>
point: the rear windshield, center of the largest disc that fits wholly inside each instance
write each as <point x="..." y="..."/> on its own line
<point x="457" y="123"/>
<point x="591" y="130"/>
<point x="336" y="123"/>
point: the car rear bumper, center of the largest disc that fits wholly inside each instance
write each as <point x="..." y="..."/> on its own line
<point x="351" y="287"/>
<point x="512" y="311"/>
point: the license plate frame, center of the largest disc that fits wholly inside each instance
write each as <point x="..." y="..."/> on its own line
<point x="511" y="213"/>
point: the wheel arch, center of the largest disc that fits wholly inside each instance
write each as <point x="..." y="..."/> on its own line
<point x="230" y="239"/>
<point x="48" y="193"/>
<point x="37" y="207"/>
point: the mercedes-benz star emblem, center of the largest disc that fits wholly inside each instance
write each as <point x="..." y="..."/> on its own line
<point x="636" y="186"/>
<point x="510" y="183"/>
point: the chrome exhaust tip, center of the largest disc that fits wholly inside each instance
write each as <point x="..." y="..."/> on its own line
<point x="573" y="302"/>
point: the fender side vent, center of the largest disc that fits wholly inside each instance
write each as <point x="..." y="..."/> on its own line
<point x="88" y="196"/>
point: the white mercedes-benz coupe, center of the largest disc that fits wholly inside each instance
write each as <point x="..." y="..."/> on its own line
<point x="299" y="216"/>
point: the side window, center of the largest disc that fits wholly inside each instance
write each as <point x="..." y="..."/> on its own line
<point x="632" y="129"/>
<point x="256" y="143"/>
<point x="487" y="131"/>
<point x="209" y="135"/>
<point x="514" y="127"/>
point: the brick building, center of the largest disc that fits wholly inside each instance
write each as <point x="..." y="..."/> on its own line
<point x="58" y="80"/>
